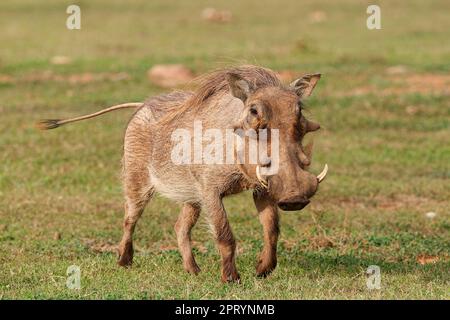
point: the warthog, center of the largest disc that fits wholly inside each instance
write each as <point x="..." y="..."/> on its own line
<point x="246" y="97"/>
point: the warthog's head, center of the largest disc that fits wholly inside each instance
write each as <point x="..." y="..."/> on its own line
<point x="273" y="107"/>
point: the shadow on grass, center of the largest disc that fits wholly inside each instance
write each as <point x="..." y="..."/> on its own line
<point x="330" y="261"/>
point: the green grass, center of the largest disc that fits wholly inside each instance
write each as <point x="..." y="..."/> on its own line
<point x="388" y="165"/>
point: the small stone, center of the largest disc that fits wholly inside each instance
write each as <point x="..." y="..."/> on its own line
<point x="395" y="70"/>
<point x="57" y="236"/>
<point x="430" y="215"/>
<point x="60" y="60"/>
<point x="169" y="75"/>
<point x="411" y="110"/>
<point x="214" y="15"/>
<point x="317" y="16"/>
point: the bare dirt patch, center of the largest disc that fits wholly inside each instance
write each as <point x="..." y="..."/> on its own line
<point x="78" y="78"/>
<point x="169" y="75"/>
<point x="400" y="81"/>
<point x="424" y="259"/>
<point x="321" y="242"/>
<point x="391" y="203"/>
<point x="428" y="83"/>
<point x="317" y="16"/>
<point x="215" y="15"/>
<point x="99" y="246"/>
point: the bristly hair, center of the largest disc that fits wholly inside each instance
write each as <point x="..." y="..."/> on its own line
<point x="48" y="124"/>
<point x="215" y="83"/>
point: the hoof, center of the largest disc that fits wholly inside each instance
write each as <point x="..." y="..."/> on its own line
<point x="192" y="268"/>
<point x="265" y="268"/>
<point x="233" y="277"/>
<point x="126" y="258"/>
<point x="125" y="262"/>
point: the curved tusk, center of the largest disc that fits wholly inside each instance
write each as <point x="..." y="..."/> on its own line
<point x="323" y="174"/>
<point x="260" y="178"/>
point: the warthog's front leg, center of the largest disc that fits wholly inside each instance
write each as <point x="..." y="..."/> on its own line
<point x="224" y="238"/>
<point x="187" y="219"/>
<point x="268" y="215"/>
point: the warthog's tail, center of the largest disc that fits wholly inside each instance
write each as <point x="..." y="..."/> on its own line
<point x="55" y="123"/>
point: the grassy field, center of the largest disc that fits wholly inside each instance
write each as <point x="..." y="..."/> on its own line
<point x="383" y="104"/>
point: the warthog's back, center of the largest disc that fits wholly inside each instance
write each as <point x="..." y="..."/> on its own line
<point x="161" y="105"/>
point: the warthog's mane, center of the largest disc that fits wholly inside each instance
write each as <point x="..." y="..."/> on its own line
<point x="214" y="84"/>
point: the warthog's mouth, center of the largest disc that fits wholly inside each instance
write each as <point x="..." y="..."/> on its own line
<point x="265" y="183"/>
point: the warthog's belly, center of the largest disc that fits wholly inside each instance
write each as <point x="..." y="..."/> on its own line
<point x="176" y="186"/>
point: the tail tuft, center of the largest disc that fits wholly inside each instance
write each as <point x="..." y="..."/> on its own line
<point x="55" y="123"/>
<point x="48" y="124"/>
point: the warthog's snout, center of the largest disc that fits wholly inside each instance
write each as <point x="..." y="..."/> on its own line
<point x="297" y="199"/>
<point x="292" y="204"/>
<point x="293" y="191"/>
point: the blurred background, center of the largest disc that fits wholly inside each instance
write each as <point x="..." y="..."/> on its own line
<point x="383" y="104"/>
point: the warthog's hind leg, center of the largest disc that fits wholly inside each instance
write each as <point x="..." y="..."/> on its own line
<point x="138" y="192"/>
<point x="186" y="221"/>
<point x="132" y="215"/>
<point x="268" y="215"/>
<point x="138" y="187"/>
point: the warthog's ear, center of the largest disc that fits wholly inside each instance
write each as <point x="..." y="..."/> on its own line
<point x="239" y="87"/>
<point x="305" y="85"/>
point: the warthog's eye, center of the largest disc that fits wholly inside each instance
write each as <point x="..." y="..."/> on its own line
<point x="253" y="110"/>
